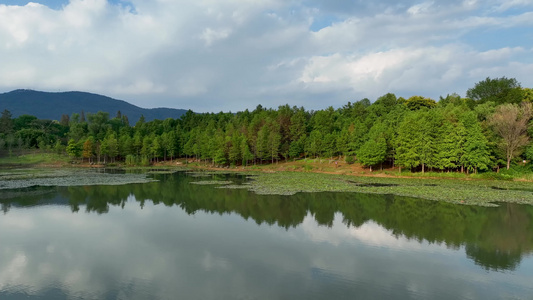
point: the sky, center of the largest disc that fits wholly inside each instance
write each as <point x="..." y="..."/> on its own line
<point x="231" y="55"/>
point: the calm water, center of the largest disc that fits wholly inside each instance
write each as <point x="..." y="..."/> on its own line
<point x="175" y="240"/>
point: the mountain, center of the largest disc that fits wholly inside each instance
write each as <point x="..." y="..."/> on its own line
<point x="45" y="105"/>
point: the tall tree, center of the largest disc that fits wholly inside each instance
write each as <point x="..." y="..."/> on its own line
<point x="418" y="102"/>
<point x="498" y="90"/>
<point x="298" y="127"/>
<point x="6" y="122"/>
<point x="98" y="124"/>
<point x="383" y="105"/>
<point x="247" y="155"/>
<point x="74" y="149"/>
<point x="274" y="143"/>
<point x="234" y="153"/>
<point x="510" y="122"/>
<point x="65" y="120"/>
<point x="125" y="145"/>
<point x="262" y="149"/>
<point x="156" y="147"/>
<point x="374" y="151"/>
<point x="88" y="149"/>
<point x="476" y="151"/>
<point x="407" y="142"/>
<point x="528" y="94"/>
<point x="315" y="143"/>
<point x="112" y="145"/>
<point x="450" y="142"/>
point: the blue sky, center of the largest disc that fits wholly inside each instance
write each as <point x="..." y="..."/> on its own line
<point x="230" y="55"/>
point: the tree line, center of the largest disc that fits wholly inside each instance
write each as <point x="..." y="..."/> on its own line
<point x="488" y="129"/>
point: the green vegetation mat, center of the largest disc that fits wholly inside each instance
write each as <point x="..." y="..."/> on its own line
<point x="23" y="178"/>
<point x="472" y="192"/>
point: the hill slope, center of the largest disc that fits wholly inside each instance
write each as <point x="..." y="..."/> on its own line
<point x="51" y="106"/>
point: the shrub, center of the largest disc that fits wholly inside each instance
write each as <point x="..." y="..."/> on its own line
<point x="145" y="161"/>
<point x="131" y="160"/>
<point x="494" y="176"/>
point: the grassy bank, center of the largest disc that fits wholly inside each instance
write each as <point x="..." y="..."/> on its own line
<point x="35" y="159"/>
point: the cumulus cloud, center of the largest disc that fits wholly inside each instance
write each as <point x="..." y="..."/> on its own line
<point x="411" y="71"/>
<point x="213" y="55"/>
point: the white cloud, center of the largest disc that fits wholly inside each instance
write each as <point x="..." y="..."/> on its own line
<point x="369" y="233"/>
<point x="429" y="71"/>
<point x="209" y="36"/>
<point x="504" y="5"/>
<point x="211" y="55"/>
<point x="421" y="8"/>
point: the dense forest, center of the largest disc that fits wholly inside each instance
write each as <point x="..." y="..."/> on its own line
<point x="488" y="129"/>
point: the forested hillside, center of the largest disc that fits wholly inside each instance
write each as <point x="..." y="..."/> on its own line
<point x="488" y="130"/>
<point x="52" y="106"/>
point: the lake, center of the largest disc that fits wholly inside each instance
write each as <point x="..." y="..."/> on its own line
<point x="173" y="239"/>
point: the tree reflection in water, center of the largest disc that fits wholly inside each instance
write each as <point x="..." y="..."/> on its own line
<point x="495" y="238"/>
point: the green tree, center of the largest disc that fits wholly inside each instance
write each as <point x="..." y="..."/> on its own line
<point x="112" y="145"/>
<point x="6" y="122"/>
<point x="374" y="151"/>
<point x="247" y="155"/>
<point x="528" y="94"/>
<point x="499" y="90"/>
<point x="125" y="145"/>
<point x="140" y="126"/>
<point x="343" y="142"/>
<point x="450" y="143"/>
<point x="383" y="105"/>
<point x="155" y="148"/>
<point x="102" y="150"/>
<point x="25" y="122"/>
<point x="137" y="143"/>
<point x="476" y="153"/>
<point x="98" y="125"/>
<point x="171" y="144"/>
<point x="274" y="143"/>
<point x="408" y="141"/>
<point x="235" y="149"/>
<point x="314" y="143"/>
<point x="262" y="149"/>
<point x="146" y="149"/>
<point x="418" y="102"/>
<point x="65" y="120"/>
<point x="219" y="149"/>
<point x="297" y="147"/>
<point x="330" y="144"/>
<point x="74" y="149"/>
<point x="58" y="147"/>
<point x="78" y="129"/>
<point x="298" y="126"/>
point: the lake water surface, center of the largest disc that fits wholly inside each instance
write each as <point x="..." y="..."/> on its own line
<point x="175" y="240"/>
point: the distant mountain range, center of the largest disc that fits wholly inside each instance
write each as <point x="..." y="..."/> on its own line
<point x="45" y="105"/>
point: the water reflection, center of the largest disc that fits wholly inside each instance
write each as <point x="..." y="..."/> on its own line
<point x="495" y="238"/>
<point x="196" y="242"/>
